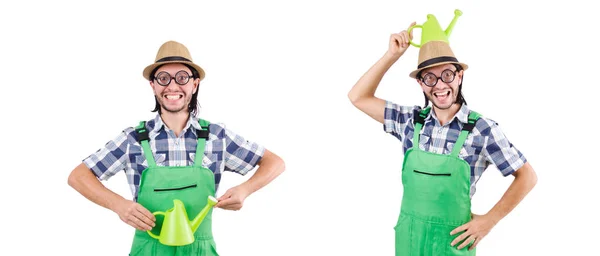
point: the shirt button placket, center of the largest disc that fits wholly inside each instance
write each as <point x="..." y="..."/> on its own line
<point x="177" y="148"/>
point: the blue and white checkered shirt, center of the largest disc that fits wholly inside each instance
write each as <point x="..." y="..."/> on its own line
<point x="224" y="151"/>
<point x="485" y="145"/>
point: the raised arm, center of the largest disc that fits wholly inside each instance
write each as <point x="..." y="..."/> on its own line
<point x="362" y="94"/>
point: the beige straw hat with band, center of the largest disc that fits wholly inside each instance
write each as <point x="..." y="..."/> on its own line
<point x="172" y="52"/>
<point x="435" y="53"/>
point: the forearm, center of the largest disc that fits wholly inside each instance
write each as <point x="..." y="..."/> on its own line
<point x="367" y="84"/>
<point x="269" y="168"/>
<point x="85" y="182"/>
<point x="525" y="180"/>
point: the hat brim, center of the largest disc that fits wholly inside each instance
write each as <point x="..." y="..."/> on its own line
<point x="151" y="67"/>
<point x="414" y="73"/>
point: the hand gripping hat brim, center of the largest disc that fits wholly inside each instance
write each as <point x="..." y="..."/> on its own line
<point x="172" y="52"/>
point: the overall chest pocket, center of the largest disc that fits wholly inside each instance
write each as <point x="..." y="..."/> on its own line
<point x="175" y="188"/>
<point x="443" y="173"/>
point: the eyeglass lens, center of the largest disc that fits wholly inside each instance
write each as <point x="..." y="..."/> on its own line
<point x="181" y="77"/>
<point x="431" y="79"/>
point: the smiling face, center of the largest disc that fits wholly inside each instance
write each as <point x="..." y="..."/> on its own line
<point x="446" y="79"/>
<point x="174" y="97"/>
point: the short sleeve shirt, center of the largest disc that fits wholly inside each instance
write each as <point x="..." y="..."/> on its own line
<point x="224" y="151"/>
<point x="486" y="144"/>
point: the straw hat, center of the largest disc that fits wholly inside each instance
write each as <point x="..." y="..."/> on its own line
<point x="172" y="52"/>
<point x="435" y="53"/>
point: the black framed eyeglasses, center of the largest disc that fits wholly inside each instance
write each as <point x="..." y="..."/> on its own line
<point x="431" y="79"/>
<point x="163" y="78"/>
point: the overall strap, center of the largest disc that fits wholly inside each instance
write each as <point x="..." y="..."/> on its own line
<point x="468" y="127"/>
<point x="142" y="137"/>
<point x="202" y="138"/>
<point x="419" y="120"/>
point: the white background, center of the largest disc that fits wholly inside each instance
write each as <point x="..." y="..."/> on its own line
<point x="278" y="72"/>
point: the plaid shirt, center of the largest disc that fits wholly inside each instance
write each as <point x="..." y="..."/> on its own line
<point x="485" y="145"/>
<point x="224" y="151"/>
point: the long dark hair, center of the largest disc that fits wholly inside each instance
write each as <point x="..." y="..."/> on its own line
<point x="460" y="99"/>
<point x="193" y="106"/>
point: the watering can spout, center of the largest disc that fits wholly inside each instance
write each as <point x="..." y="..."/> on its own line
<point x="448" y="30"/>
<point x="195" y="223"/>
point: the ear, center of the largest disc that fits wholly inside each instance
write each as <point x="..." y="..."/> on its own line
<point x="196" y="85"/>
<point x="423" y="86"/>
<point x="460" y="76"/>
<point x="153" y="86"/>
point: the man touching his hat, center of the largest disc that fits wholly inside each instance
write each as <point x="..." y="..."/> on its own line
<point x="176" y="155"/>
<point x="446" y="149"/>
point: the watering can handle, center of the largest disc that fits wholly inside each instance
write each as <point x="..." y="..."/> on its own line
<point x="409" y="30"/>
<point x="149" y="231"/>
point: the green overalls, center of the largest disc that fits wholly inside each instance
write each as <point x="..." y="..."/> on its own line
<point x="435" y="198"/>
<point x="159" y="185"/>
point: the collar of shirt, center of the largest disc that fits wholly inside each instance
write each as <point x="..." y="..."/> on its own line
<point x="462" y="115"/>
<point x="159" y="124"/>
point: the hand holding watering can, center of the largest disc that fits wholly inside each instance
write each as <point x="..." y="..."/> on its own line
<point x="399" y="43"/>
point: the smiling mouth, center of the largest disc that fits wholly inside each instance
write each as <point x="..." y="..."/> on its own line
<point x="173" y="97"/>
<point x="442" y="95"/>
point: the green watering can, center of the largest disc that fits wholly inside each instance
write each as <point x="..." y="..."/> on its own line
<point x="176" y="229"/>
<point x="432" y="31"/>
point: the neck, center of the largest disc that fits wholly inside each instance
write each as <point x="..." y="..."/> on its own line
<point x="175" y="121"/>
<point x="445" y="115"/>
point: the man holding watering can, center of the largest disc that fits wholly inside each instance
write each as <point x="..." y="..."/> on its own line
<point x="447" y="147"/>
<point x="173" y="164"/>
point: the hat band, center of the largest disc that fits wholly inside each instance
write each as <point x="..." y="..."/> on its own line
<point x="437" y="60"/>
<point x="173" y="58"/>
